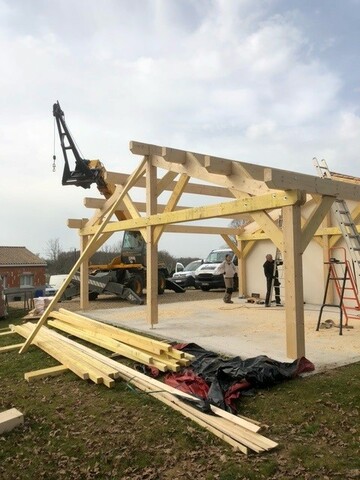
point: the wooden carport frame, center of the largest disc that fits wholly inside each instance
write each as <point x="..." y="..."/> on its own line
<point x="255" y="190"/>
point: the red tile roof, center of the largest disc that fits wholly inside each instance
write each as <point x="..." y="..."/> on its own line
<point x="19" y="256"/>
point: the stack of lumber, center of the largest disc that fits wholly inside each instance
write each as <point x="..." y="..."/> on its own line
<point x="241" y="433"/>
<point x="131" y="345"/>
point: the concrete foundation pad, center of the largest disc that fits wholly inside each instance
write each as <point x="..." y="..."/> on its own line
<point x="241" y="329"/>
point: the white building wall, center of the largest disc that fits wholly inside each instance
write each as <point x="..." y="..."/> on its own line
<point x="313" y="270"/>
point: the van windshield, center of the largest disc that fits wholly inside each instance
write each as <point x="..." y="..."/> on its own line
<point x="192" y="266"/>
<point x="217" y="257"/>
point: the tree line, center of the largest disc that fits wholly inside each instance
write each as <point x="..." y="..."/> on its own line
<point x="60" y="261"/>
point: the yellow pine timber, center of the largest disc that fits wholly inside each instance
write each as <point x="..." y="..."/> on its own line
<point x="255" y="422"/>
<point x="45" y="372"/>
<point x="184" y="362"/>
<point x="253" y="440"/>
<point x="82" y="352"/>
<point x="173" y="352"/>
<point x="109" y="344"/>
<point x="123" y="336"/>
<point x="53" y="349"/>
<point x="112" y="372"/>
<point x="188" y="356"/>
<point x="10" y="348"/>
<point x="97" y="367"/>
<point x="57" y="351"/>
<point x="233" y="418"/>
<point x="172" y="364"/>
<point x="196" y="416"/>
<point x="128" y="373"/>
<point x="240" y="205"/>
<point x="6" y="333"/>
<point x="75" y="368"/>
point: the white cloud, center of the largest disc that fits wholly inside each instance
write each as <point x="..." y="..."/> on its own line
<point x="237" y="79"/>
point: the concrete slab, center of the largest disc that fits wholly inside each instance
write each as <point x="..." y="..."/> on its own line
<point x="240" y="329"/>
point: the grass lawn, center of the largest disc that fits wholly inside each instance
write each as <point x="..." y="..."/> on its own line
<point x="78" y="430"/>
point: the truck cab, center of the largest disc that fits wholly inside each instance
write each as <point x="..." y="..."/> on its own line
<point x="204" y="275"/>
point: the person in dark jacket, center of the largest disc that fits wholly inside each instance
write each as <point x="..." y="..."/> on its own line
<point x="271" y="273"/>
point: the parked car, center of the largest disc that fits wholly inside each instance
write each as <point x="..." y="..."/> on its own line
<point x="204" y="275"/>
<point x="54" y="284"/>
<point x="186" y="277"/>
<point x="49" y="291"/>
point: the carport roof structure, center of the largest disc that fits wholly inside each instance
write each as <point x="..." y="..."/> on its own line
<point x="263" y="193"/>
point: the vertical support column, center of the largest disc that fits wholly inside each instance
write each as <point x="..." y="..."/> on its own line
<point x="294" y="294"/>
<point x="151" y="248"/>
<point x="84" y="275"/>
<point x="242" y="269"/>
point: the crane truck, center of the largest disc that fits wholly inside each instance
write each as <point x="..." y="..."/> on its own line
<point x="125" y="276"/>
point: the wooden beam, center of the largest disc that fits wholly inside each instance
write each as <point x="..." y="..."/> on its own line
<point x="285" y="180"/>
<point x="172" y="203"/>
<point x="251" y="204"/>
<point x="45" y="372"/>
<point x="152" y="257"/>
<point x="314" y="220"/>
<point x="10" y="348"/>
<point x="163" y="184"/>
<point x="294" y="296"/>
<point x="173" y="155"/>
<point x="219" y="166"/>
<point x="84" y="256"/>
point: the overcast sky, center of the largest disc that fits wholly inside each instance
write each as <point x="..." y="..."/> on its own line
<point x="271" y="82"/>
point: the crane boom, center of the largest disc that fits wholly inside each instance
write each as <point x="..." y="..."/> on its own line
<point x="84" y="175"/>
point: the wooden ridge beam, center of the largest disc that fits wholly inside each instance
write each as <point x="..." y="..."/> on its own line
<point x="286" y="180"/>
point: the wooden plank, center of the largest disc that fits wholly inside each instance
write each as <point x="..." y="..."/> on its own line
<point x="10" y="348"/>
<point x="57" y="354"/>
<point x="233" y="418"/>
<point x="2" y="334"/>
<point x="45" y="372"/>
<point x="10" y="419"/>
<point x="195" y="415"/>
<point x="109" y="344"/>
<point x="124" y="336"/>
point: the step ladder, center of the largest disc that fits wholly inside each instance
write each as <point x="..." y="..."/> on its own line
<point x="340" y="273"/>
<point x="344" y="220"/>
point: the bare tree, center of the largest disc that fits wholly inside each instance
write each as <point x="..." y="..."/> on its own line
<point x="53" y="249"/>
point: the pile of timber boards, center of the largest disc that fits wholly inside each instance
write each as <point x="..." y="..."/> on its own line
<point x="131" y="345"/>
<point x="240" y="433"/>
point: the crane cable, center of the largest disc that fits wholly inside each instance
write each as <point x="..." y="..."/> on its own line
<point x="54" y="155"/>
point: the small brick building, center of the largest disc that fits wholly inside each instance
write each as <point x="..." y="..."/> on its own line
<point x="21" y="269"/>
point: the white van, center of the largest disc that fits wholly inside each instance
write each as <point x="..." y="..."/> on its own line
<point x="204" y="275"/>
<point x="54" y="284"/>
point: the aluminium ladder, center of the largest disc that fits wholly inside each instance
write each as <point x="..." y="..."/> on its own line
<point x="352" y="240"/>
<point x="344" y="219"/>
